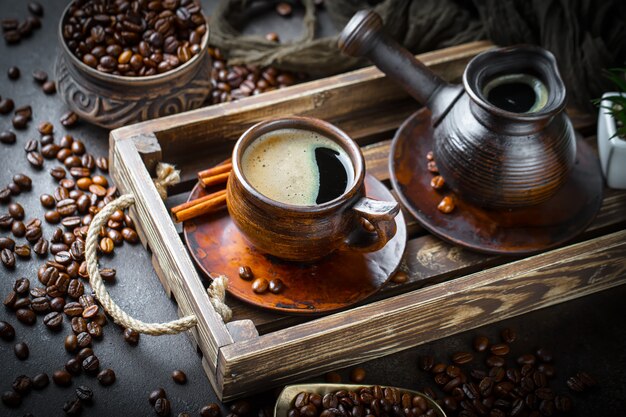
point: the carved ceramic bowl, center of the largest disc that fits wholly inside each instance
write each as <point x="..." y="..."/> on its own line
<point x="113" y="101"/>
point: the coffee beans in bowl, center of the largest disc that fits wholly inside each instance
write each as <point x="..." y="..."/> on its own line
<point x="144" y="58"/>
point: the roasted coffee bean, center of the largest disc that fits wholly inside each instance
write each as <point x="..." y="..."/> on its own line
<point x="284" y="9"/>
<point x="155" y="395"/>
<point x="85" y="394"/>
<point x="526" y="359"/>
<point x="73" y="407"/>
<point x="71" y="343"/>
<point x="16" y="211"/>
<point x="73" y="309"/>
<point x="49" y="87"/>
<point x="62" y="378"/>
<point x="83" y="339"/>
<point x="20" y="122"/>
<point x="23" y="181"/>
<point x="162" y="407"/>
<point x="276" y="286"/>
<point x="6" y="107"/>
<point x="52" y="216"/>
<point x="33" y="234"/>
<point x="58" y="173"/>
<point x="37" y="292"/>
<point x="6" y="221"/>
<point x="21" y="350"/>
<point x="11" y="399"/>
<point x="115" y="236"/>
<point x="500" y="349"/>
<point x="22" y="303"/>
<point x="7" y="332"/>
<point x="446" y="205"/>
<point x="426" y="362"/>
<point x="73" y="366"/>
<point x="40" y="76"/>
<point x="18" y="229"/>
<point x="90" y="311"/>
<point x="41" y="247"/>
<point x="40" y="381"/>
<point x="130" y="235"/>
<point x="69" y="119"/>
<point x="544" y="355"/>
<point x="91" y="364"/>
<point x="513" y="375"/>
<point x="493" y="361"/>
<point x="461" y="358"/>
<point x="260" y="285"/>
<point x="49" y="151"/>
<point x="107" y="246"/>
<point x="508" y="335"/>
<point x="35" y="159"/>
<point x="94" y="329"/>
<point x="437" y="182"/>
<point x="5" y="195"/>
<point x="45" y="128"/>
<point x="13" y="73"/>
<point x="179" y="377"/>
<point x="53" y="320"/>
<point x="586" y="379"/>
<point x="72" y="222"/>
<point x="67" y="183"/>
<point x="131" y="337"/>
<point x="35" y="8"/>
<point x="31" y="146"/>
<point x="106" y="377"/>
<point x="102" y="163"/>
<point x="40" y="305"/>
<point x="211" y="410"/>
<point x="21" y="285"/>
<point x="7" y="243"/>
<point x="10" y="300"/>
<point x="79" y="325"/>
<point x="8" y="258"/>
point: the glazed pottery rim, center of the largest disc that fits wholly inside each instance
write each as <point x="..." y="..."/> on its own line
<point x="477" y="67"/>
<point x="323" y="127"/>
<point x="122" y="78"/>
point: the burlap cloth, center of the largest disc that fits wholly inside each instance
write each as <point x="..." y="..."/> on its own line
<point x="586" y="36"/>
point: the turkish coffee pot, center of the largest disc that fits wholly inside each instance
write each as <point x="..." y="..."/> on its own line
<point x="502" y="139"/>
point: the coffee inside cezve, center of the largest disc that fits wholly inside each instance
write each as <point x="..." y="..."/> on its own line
<point x="296" y="166"/>
<point x="517" y="93"/>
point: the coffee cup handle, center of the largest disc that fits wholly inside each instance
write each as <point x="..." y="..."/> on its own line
<point x="381" y="215"/>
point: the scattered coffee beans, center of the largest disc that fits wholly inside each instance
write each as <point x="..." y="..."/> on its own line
<point x="21" y="351"/>
<point x="13" y="73"/>
<point x="179" y="377"/>
<point x="106" y="377"/>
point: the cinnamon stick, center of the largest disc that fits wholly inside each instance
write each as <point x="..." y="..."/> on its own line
<point x="215" y="179"/>
<point x="221" y="168"/>
<point x="203" y="205"/>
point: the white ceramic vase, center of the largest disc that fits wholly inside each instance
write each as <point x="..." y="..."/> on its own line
<point x="612" y="149"/>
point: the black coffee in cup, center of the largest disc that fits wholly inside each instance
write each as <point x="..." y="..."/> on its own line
<point x="296" y="166"/>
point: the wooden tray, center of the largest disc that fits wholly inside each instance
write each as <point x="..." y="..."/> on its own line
<point x="449" y="289"/>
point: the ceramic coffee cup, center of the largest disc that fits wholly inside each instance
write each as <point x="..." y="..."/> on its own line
<point x="308" y="232"/>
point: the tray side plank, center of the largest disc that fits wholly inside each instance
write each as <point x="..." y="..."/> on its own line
<point x="129" y="173"/>
<point x="420" y="316"/>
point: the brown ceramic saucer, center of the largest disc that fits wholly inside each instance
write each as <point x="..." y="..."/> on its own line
<point x="338" y="281"/>
<point x="514" y="232"/>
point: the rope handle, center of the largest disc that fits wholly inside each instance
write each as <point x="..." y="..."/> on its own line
<point x="216" y="291"/>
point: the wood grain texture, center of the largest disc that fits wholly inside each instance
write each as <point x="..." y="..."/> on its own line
<point x="131" y="177"/>
<point x="420" y="316"/>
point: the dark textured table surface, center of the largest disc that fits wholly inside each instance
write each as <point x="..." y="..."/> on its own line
<point x="585" y="334"/>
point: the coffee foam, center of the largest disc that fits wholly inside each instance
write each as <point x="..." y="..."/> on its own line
<point x="281" y="165"/>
